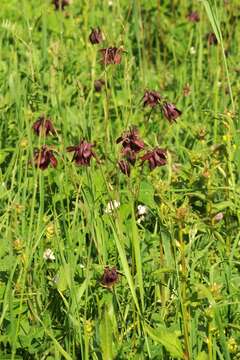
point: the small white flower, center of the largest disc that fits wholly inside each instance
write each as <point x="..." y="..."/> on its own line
<point x="111" y="206"/>
<point x="140" y="219"/>
<point x="48" y="255"/>
<point x="192" y="50"/>
<point x="142" y="210"/>
<point x="218" y="217"/>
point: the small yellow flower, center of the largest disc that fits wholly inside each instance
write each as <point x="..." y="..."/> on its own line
<point x="232" y="345"/>
<point x="50" y="231"/>
<point x="24" y="143"/>
<point x="17" y="245"/>
<point x="88" y="326"/>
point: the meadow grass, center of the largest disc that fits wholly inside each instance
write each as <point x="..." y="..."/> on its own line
<point x="177" y="290"/>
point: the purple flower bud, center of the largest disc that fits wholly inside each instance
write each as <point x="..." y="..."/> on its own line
<point x="98" y="84"/>
<point x="124" y="167"/>
<point x="60" y="4"/>
<point x="111" y="55"/>
<point x="110" y="277"/>
<point x="96" y="36"/>
<point x="193" y="16"/>
<point x="171" y="112"/>
<point x="212" y="39"/>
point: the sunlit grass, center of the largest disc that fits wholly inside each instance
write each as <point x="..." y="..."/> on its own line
<point x="177" y="288"/>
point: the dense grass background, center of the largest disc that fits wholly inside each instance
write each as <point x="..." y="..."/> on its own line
<point x="178" y="295"/>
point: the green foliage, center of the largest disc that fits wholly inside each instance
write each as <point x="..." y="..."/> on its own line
<point x="177" y="265"/>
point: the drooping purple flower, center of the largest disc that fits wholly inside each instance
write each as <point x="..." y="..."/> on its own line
<point x="124" y="167"/>
<point x="110" y="277"/>
<point x="60" y="4"/>
<point x="130" y="141"/>
<point x="96" y="36"/>
<point x="111" y="55"/>
<point x="156" y="157"/>
<point x="151" y="98"/>
<point x="82" y="153"/>
<point x="193" y="16"/>
<point x="171" y="112"/>
<point x="44" y="157"/>
<point x="98" y="84"/>
<point x="212" y="39"/>
<point x="43" y="126"/>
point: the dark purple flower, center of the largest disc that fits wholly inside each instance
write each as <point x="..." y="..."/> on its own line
<point x="171" y="112"/>
<point x="43" y="126"/>
<point x="82" y="153"/>
<point x="156" y="157"/>
<point x="60" y="4"/>
<point x="98" y="84"/>
<point x="212" y="39"/>
<point x="96" y="36"/>
<point x="193" y="16"/>
<point x="111" y="55"/>
<point x="124" y="167"/>
<point x="130" y="155"/>
<point x="151" y="98"/>
<point x="110" y="277"/>
<point x="44" y="157"/>
<point x="130" y="141"/>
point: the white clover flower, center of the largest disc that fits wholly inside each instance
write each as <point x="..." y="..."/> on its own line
<point x="48" y="255"/>
<point x="218" y="217"/>
<point x="111" y="206"/>
<point x="142" y="210"/>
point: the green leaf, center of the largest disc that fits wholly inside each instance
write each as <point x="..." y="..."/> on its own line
<point x="168" y="339"/>
<point x="64" y="280"/>
<point x="202" y="356"/>
<point x="146" y="194"/>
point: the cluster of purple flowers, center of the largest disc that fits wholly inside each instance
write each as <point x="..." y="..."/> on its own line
<point x="132" y="144"/>
<point x="133" y="147"/>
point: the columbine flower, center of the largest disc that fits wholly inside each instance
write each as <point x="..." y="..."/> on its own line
<point x="60" y="4"/>
<point x="156" y="157"/>
<point x="131" y="144"/>
<point x="110" y="277"/>
<point x="111" y="55"/>
<point x="111" y="206"/>
<point x="151" y="98"/>
<point x="124" y="167"/>
<point x="98" y="84"/>
<point x="193" y="16"/>
<point x="130" y="140"/>
<point x="43" y="126"/>
<point x="96" y="36"/>
<point x="82" y="153"/>
<point x="171" y="112"/>
<point x="44" y="157"/>
<point x="212" y="39"/>
<point x="48" y="255"/>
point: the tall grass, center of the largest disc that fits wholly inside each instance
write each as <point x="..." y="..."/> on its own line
<point x="178" y="268"/>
